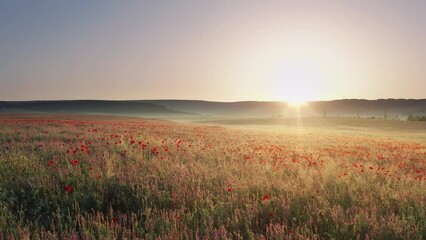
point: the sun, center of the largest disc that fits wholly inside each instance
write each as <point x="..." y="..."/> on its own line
<point x="297" y="81"/>
<point x="297" y="103"/>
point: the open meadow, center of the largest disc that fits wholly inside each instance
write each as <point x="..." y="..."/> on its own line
<point x="98" y="177"/>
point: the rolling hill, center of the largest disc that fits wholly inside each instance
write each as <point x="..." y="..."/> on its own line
<point x="125" y="108"/>
<point x="391" y="108"/>
<point x="394" y="108"/>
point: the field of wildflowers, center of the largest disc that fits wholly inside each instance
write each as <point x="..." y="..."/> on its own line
<point x="126" y="178"/>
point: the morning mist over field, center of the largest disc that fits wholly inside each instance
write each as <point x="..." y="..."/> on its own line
<point x="213" y="119"/>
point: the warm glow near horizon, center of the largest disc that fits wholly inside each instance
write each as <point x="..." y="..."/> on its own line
<point x="292" y="51"/>
<point x="297" y="103"/>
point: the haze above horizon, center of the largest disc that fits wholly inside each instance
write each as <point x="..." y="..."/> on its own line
<point x="212" y="50"/>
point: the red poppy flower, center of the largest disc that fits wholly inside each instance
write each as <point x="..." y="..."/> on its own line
<point x="265" y="197"/>
<point x="154" y="151"/>
<point x="50" y="163"/>
<point x="229" y="189"/>
<point x="68" y="189"/>
<point x="75" y="162"/>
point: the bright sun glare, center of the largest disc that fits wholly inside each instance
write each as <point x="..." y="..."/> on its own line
<point x="297" y="81"/>
<point x="297" y="103"/>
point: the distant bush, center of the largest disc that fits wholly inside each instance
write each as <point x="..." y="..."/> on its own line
<point x="416" y="118"/>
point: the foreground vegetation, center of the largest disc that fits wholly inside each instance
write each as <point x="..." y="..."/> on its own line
<point x="118" y="178"/>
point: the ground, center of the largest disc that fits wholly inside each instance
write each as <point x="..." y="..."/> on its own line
<point x="110" y="177"/>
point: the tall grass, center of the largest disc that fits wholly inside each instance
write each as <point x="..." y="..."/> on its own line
<point x="128" y="179"/>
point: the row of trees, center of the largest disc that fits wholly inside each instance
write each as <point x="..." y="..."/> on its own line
<point x="411" y="117"/>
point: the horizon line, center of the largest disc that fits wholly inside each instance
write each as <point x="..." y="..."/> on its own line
<point x="201" y="100"/>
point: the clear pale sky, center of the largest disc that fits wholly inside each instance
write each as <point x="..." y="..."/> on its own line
<point x="212" y="50"/>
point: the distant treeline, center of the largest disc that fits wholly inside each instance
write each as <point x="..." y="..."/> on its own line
<point x="416" y="118"/>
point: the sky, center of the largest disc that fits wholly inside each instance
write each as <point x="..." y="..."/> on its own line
<point x="212" y="50"/>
